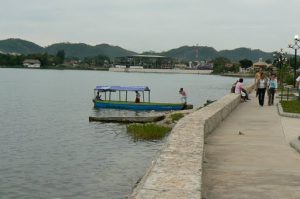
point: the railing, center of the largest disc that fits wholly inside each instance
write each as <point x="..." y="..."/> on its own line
<point x="287" y="93"/>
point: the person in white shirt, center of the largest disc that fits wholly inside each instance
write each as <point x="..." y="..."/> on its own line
<point x="261" y="86"/>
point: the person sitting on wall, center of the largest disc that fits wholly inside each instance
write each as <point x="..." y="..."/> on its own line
<point x="240" y="90"/>
<point x="137" y="97"/>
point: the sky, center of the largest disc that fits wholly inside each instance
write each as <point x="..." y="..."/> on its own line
<point x="157" y="25"/>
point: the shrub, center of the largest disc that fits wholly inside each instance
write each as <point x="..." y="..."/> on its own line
<point x="147" y="131"/>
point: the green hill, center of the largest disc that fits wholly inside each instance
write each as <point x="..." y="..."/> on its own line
<point x="72" y="50"/>
<point x="245" y="53"/>
<point x="192" y="53"/>
<point x="82" y="50"/>
<point x="19" y="46"/>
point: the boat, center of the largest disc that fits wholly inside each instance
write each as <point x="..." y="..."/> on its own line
<point x="126" y="119"/>
<point x="107" y="102"/>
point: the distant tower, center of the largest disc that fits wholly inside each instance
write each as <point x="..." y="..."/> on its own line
<point x="190" y="64"/>
<point x="197" y="52"/>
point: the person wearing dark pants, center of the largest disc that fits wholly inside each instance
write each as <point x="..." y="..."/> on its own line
<point x="272" y="89"/>
<point x="261" y="95"/>
<point x="261" y="86"/>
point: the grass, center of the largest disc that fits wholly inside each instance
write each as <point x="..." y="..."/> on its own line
<point x="291" y="106"/>
<point x="176" y="116"/>
<point x="148" y="132"/>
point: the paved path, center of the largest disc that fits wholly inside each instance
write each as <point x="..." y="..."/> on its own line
<point x="257" y="164"/>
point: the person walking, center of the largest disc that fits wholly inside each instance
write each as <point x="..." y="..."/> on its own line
<point x="272" y="89"/>
<point x="261" y="86"/>
<point x="256" y="78"/>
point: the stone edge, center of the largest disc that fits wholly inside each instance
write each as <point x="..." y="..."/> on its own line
<point x="295" y="144"/>
<point x="205" y="121"/>
<point x="286" y="114"/>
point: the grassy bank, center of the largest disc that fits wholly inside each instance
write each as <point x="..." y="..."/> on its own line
<point x="147" y="131"/>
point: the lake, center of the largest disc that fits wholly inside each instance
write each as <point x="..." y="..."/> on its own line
<point x="50" y="150"/>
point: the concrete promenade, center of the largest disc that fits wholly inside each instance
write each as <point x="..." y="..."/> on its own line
<point x="177" y="171"/>
<point x="248" y="155"/>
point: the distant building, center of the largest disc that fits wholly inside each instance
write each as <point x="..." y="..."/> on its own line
<point x="201" y="65"/>
<point x="9" y="53"/>
<point x="260" y="65"/>
<point x="180" y="66"/>
<point x="143" y="61"/>
<point x="32" y="63"/>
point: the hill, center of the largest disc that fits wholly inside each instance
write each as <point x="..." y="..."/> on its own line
<point x="192" y="53"/>
<point x="82" y="50"/>
<point x="19" y="46"/>
<point x="245" y="53"/>
<point x="208" y="53"/>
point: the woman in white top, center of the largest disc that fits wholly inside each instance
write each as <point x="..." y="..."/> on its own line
<point x="261" y="86"/>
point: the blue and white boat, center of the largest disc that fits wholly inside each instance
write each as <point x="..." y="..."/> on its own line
<point x="119" y="104"/>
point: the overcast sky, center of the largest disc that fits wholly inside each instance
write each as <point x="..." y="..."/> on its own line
<point x="159" y="25"/>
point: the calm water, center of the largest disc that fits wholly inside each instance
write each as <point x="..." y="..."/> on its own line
<point x="48" y="149"/>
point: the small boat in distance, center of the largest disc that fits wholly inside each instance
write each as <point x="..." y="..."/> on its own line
<point x="119" y="104"/>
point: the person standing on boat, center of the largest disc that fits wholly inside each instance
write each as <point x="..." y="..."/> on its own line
<point x="183" y="95"/>
<point x="137" y="97"/>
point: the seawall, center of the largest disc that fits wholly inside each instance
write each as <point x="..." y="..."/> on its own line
<point x="174" y="71"/>
<point x="177" y="171"/>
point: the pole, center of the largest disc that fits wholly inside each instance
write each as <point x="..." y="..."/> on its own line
<point x="281" y="79"/>
<point x="294" y="80"/>
<point x="143" y="97"/>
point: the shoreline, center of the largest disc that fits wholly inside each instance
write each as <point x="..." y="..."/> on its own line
<point x="172" y="71"/>
<point x="237" y="75"/>
<point x="57" y="68"/>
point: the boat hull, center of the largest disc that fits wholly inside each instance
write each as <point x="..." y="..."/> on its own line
<point x="138" y="106"/>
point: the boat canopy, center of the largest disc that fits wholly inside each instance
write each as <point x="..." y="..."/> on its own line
<point x="122" y="88"/>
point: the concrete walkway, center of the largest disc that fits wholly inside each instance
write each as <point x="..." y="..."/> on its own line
<point x="259" y="163"/>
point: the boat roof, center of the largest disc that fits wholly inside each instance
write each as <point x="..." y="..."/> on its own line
<point x="122" y="88"/>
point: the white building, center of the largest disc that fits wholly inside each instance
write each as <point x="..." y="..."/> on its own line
<point x="32" y="63"/>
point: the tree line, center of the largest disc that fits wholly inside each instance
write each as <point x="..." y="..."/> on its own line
<point x="48" y="60"/>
